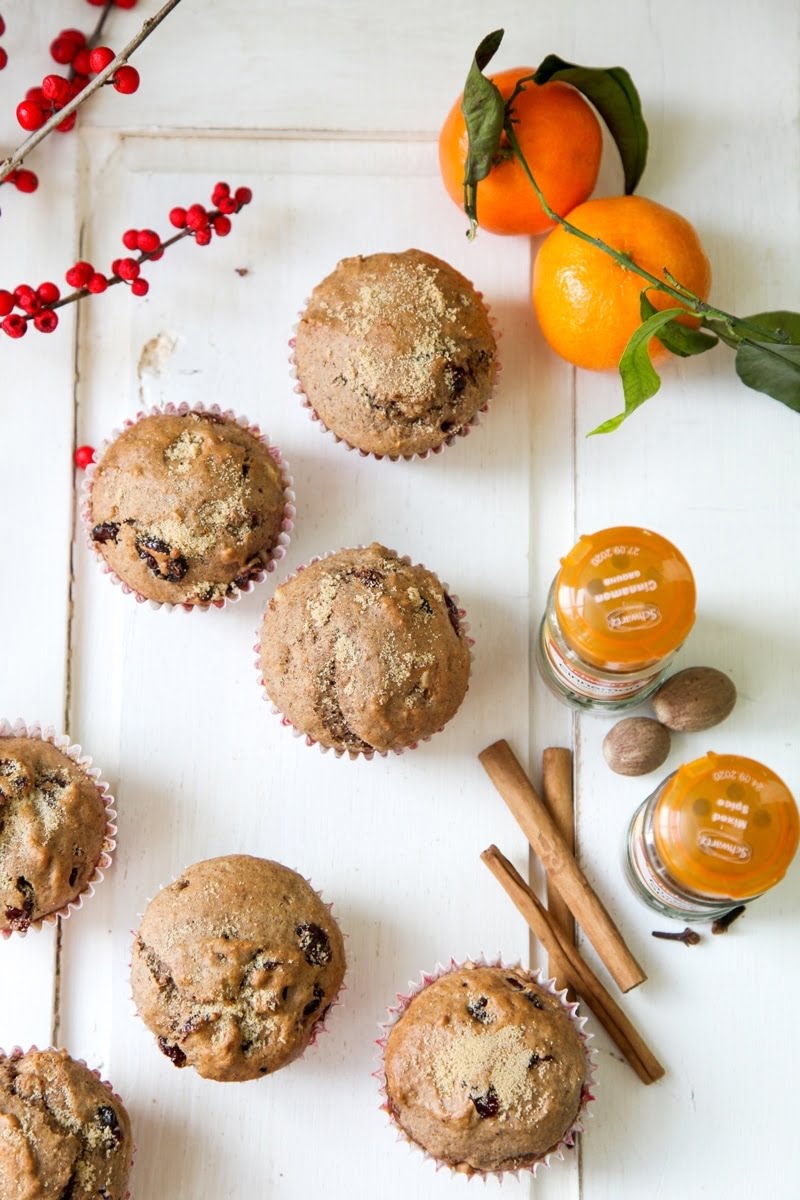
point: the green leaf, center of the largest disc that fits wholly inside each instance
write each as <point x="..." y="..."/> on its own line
<point x="724" y="332"/>
<point x="484" y="112"/>
<point x="772" y="368"/>
<point x="782" y="324"/>
<point x="679" y="339"/>
<point x="613" y="93"/>
<point x="640" y="380"/>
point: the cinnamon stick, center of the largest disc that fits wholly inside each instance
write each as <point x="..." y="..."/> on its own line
<point x="557" y="793"/>
<point x="542" y="833"/>
<point x="572" y="967"/>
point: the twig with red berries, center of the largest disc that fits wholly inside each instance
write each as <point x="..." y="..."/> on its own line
<point x="38" y="305"/>
<point x="61" y="97"/>
<point x="3" y="53"/>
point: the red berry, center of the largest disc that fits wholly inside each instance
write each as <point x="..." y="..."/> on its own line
<point x="80" y="63"/>
<point x="156" y="255"/>
<point x="203" y="237"/>
<point x="140" y="287"/>
<point x="26" y="181"/>
<point x="30" y="115"/>
<point x="67" y="124"/>
<point x="130" y="239"/>
<point x="57" y="88"/>
<point x="222" y="226"/>
<point x="6" y="303"/>
<point x="227" y="204"/>
<point x="220" y="190"/>
<point x="148" y="241"/>
<point x="126" y="80"/>
<point x="196" y="217"/>
<point x="37" y="96"/>
<point x="62" y="50"/>
<point x="15" y="326"/>
<point x="48" y="293"/>
<point x="83" y="456"/>
<point x="2" y="26"/>
<point x="3" y="58"/>
<point x="78" y="84"/>
<point x="99" y="58"/>
<point x="75" y="36"/>
<point x="97" y="3"/>
<point x="79" y="275"/>
<point x="177" y="217"/>
<point x="243" y="195"/>
<point x="23" y="292"/>
<point x="126" y="3"/>
<point x="97" y="284"/>
<point x="127" y="268"/>
<point x="46" y="321"/>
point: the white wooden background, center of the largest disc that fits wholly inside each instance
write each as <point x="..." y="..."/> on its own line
<point x="329" y="111"/>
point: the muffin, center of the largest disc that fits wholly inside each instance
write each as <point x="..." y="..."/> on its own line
<point x="187" y="507"/>
<point x="395" y="353"/>
<point x="362" y="651"/>
<point x="234" y="966"/>
<point x="53" y="831"/>
<point x="485" y="1070"/>
<point x="63" y="1133"/>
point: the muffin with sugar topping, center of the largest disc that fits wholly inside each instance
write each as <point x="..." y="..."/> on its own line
<point x="53" y="831"/>
<point x="396" y="353"/>
<point x="187" y="508"/>
<point x="485" y="1070"/>
<point x="63" y="1133"/>
<point x="235" y="965"/>
<point x="362" y="651"/>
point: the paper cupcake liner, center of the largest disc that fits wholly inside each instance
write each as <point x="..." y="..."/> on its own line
<point x="320" y="1025"/>
<point x="549" y="985"/>
<point x="18" y="1052"/>
<point x="463" y="431"/>
<point x="47" y="733"/>
<point x="180" y="410"/>
<point x="335" y="750"/>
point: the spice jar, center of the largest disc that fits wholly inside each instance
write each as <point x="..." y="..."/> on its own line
<point x="718" y="831"/>
<point x="618" y="610"/>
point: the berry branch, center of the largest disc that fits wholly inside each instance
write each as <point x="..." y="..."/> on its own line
<point x="39" y="305"/>
<point x="115" y="71"/>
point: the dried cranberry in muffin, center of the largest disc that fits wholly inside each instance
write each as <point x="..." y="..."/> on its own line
<point x="395" y="352"/>
<point x="233" y="966"/>
<point x="485" y="1070"/>
<point x="185" y="509"/>
<point x="52" y="830"/>
<point x="63" y="1133"/>
<point x="362" y="651"/>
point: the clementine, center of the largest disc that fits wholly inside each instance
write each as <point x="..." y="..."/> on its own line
<point x="560" y="137"/>
<point x="587" y="304"/>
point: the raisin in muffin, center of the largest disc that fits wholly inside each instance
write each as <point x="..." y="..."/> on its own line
<point x="395" y="352"/>
<point x="485" y="1070"/>
<point x="186" y="508"/>
<point x="63" y="1133"/>
<point x="234" y="965"/>
<point x="362" y="651"/>
<point x="53" y="823"/>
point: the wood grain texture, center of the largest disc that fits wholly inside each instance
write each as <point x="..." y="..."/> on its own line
<point x="168" y="705"/>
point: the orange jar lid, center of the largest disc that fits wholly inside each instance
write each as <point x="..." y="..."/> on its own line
<point x="726" y="826"/>
<point x="625" y="598"/>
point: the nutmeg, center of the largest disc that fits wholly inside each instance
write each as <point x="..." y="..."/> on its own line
<point x="636" y="746"/>
<point x="694" y="699"/>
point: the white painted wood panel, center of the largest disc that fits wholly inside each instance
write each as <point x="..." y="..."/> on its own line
<point x="168" y="704"/>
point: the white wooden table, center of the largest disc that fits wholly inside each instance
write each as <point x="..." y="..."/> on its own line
<point x="329" y="111"/>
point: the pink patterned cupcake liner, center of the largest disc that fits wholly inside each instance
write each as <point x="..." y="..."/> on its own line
<point x="536" y="976"/>
<point x="462" y="432"/>
<point x="181" y="410"/>
<point x="320" y="1026"/>
<point x="19" y="729"/>
<point x="354" y="754"/>
<point x="18" y="1052"/>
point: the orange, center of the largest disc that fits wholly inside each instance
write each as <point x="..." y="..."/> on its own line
<point x="587" y="304"/>
<point x="560" y="137"/>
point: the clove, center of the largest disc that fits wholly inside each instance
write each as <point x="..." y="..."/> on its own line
<point x="723" y="923"/>
<point x="689" y="937"/>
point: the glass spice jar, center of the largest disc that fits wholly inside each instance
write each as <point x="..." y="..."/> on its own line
<point x="619" y="608"/>
<point x="719" y="831"/>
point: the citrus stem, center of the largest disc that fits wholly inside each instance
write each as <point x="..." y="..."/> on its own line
<point x="677" y="291"/>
